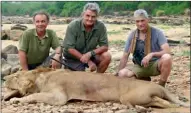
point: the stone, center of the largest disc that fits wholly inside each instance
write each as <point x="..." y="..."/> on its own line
<point x="10" y="49"/>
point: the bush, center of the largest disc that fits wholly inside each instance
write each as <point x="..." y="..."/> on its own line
<point x="187" y="12"/>
<point x="160" y="13"/>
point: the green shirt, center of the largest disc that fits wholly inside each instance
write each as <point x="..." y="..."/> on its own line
<point x="76" y="37"/>
<point x="37" y="50"/>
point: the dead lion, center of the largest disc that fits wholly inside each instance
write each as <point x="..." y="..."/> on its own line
<point x="56" y="87"/>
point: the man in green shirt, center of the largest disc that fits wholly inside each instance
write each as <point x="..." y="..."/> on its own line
<point x="86" y="42"/>
<point x="35" y="44"/>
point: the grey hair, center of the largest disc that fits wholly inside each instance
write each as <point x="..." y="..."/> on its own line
<point x="93" y="7"/>
<point x="140" y="13"/>
<point x="42" y="13"/>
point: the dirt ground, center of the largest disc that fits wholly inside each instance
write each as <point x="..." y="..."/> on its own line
<point x="178" y="83"/>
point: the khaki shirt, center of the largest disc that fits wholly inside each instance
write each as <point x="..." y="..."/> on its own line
<point x="76" y="37"/>
<point x="37" y="50"/>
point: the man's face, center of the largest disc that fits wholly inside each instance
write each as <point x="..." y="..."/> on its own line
<point x="41" y="22"/>
<point x="89" y="17"/>
<point x="142" y="23"/>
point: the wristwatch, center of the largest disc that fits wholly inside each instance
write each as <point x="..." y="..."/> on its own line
<point x="93" y="54"/>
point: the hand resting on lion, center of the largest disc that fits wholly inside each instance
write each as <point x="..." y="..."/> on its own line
<point x="56" y="87"/>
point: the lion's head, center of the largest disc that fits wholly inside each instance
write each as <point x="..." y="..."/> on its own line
<point x="21" y="81"/>
<point x="24" y="81"/>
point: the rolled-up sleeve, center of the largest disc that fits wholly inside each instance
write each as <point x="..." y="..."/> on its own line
<point x="55" y="41"/>
<point x="70" y="38"/>
<point x="103" y="40"/>
<point x="128" y="42"/>
<point x="161" y="38"/>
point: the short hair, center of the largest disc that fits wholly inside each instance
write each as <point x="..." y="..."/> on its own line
<point x="141" y="13"/>
<point x="42" y="13"/>
<point x="93" y="7"/>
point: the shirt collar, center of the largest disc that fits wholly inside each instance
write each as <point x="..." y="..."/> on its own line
<point x="46" y="34"/>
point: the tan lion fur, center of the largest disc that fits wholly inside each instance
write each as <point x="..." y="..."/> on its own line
<point x="56" y="87"/>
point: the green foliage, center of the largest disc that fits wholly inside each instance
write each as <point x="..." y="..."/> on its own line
<point x="113" y="32"/>
<point x="183" y="53"/>
<point x="174" y="8"/>
<point x="186" y="53"/>
<point x="117" y="42"/>
<point x="75" y="8"/>
<point x="160" y="13"/>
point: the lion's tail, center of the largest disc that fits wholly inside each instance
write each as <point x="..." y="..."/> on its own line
<point x="173" y="99"/>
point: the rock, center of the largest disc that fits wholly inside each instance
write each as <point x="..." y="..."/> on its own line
<point x="5" y="110"/>
<point x="68" y="20"/>
<point x="140" y="109"/>
<point x="178" y="22"/>
<point x="13" y="59"/>
<point x="4" y="56"/>
<point x="15" y="34"/>
<point x="123" y="111"/>
<point x="68" y="111"/>
<point x="126" y="28"/>
<point x="16" y="68"/>
<point x="5" y="35"/>
<point x="92" y="111"/>
<point x="10" y="49"/>
<point x="19" y="27"/>
<point x="117" y="56"/>
<point x="108" y="103"/>
<point x="5" y="68"/>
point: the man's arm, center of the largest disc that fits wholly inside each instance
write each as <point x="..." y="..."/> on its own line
<point x="70" y="41"/>
<point x="125" y="57"/>
<point x="165" y="49"/>
<point x="58" y="50"/>
<point x="101" y="50"/>
<point x="23" y="60"/>
<point x="23" y="48"/>
<point x="75" y="53"/>
<point x="103" y="42"/>
<point x="123" y="61"/>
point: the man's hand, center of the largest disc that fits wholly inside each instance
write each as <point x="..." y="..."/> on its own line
<point x="146" y="59"/>
<point x="86" y="57"/>
<point x="92" y="66"/>
<point x="56" y="64"/>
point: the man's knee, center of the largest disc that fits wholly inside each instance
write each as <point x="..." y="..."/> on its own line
<point x="106" y="56"/>
<point x="166" y="58"/>
<point x="125" y="73"/>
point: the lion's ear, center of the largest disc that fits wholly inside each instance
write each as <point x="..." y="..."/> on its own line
<point x="24" y="86"/>
<point x="8" y="77"/>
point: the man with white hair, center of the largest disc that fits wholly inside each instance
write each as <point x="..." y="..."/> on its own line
<point x="86" y="42"/>
<point x="151" y="52"/>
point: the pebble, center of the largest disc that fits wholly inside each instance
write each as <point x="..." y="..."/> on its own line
<point x="123" y="111"/>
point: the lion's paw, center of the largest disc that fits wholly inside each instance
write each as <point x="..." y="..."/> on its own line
<point x="15" y="100"/>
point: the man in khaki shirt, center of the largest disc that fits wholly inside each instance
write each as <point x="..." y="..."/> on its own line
<point x="35" y="44"/>
<point x="86" y="42"/>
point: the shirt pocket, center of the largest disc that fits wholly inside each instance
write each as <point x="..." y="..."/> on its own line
<point x="93" y="42"/>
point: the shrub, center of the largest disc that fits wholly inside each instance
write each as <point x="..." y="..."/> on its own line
<point x="160" y="13"/>
<point x="187" y="12"/>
